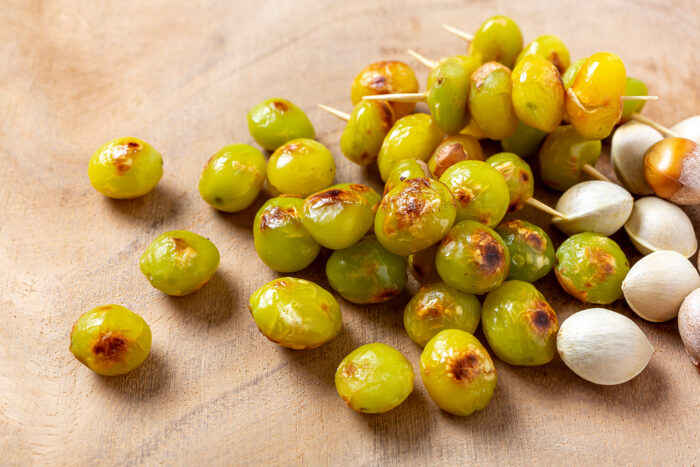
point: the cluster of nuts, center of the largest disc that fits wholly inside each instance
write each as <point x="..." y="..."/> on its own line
<point x="441" y="217"/>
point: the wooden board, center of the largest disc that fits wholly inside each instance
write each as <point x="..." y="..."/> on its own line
<point x="181" y="75"/>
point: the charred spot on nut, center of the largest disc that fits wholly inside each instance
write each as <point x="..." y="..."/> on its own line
<point x="489" y="254"/>
<point x="349" y="369"/>
<point x="568" y="285"/>
<point x="133" y="145"/>
<point x="386" y="115"/>
<point x="324" y="306"/>
<point x="276" y="216"/>
<point x="333" y="196"/>
<point x="440" y="80"/>
<point x="378" y="82"/>
<point x="280" y="284"/>
<point x="447" y="156"/>
<point x="433" y="310"/>
<point x="603" y="261"/>
<point x="484" y="71"/>
<point x="385" y="294"/>
<point x="542" y="318"/>
<point x="556" y="61"/>
<point x="110" y="346"/>
<point x="105" y="308"/>
<point x="280" y="105"/>
<point x="463" y="195"/>
<point x="524" y="177"/>
<point x="463" y="367"/>
<point x="535" y="240"/>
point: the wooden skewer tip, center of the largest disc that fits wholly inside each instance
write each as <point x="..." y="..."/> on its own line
<point x="458" y="32"/>
<point x="657" y="126"/>
<point x="335" y="112"/>
<point x="640" y="98"/>
<point x="595" y="173"/>
<point x="407" y="97"/>
<point x="544" y="208"/>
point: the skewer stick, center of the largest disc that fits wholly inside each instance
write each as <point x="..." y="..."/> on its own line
<point x="421" y="59"/>
<point x="406" y="97"/>
<point x="459" y="33"/>
<point x="595" y="173"/>
<point x="658" y="127"/>
<point x="335" y="112"/>
<point x="544" y="208"/>
<point x="640" y="98"/>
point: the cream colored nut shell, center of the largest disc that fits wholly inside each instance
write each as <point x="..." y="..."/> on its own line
<point x="689" y="325"/>
<point x="629" y="144"/>
<point x="688" y="128"/>
<point x="655" y="224"/>
<point x="657" y="284"/>
<point x="603" y="347"/>
<point x="593" y="206"/>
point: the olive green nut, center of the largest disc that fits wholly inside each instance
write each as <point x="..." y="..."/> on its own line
<point x="369" y="123"/>
<point x="179" y="262"/>
<point x="524" y="142"/>
<point x="274" y="122"/>
<point x="110" y="340"/>
<point x="472" y="258"/>
<point x="453" y="149"/>
<point x="530" y="248"/>
<point x="366" y="272"/>
<point x="518" y="176"/>
<point x="374" y="378"/>
<point x="414" y="136"/>
<point x="422" y="265"/>
<point x="403" y="170"/>
<point x="300" y="167"/>
<point x="498" y="38"/>
<point x="563" y="156"/>
<point x="125" y="168"/>
<point x="458" y="372"/>
<point x="591" y="268"/>
<point x="437" y="307"/>
<point x="295" y="313"/>
<point x="281" y="240"/>
<point x="519" y="325"/>
<point x="551" y="48"/>
<point x="490" y="101"/>
<point x="448" y="96"/>
<point x="233" y="178"/>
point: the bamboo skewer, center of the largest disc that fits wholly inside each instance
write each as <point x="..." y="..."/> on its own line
<point x="421" y="59"/>
<point x="658" y="127"/>
<point x="458" y="32"/>
<point x="338" y="113"/>
<point x="544" y="208"/>
<point x="595" y="173"/>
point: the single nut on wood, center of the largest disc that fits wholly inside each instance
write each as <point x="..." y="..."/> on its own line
<point x="603" y="347"/>
<point x="593" y="206"/>
<point x="629" y="144"/>
<point x="657" y="284"/>
<point x="672" y="170"/>
<point x="688" y="128"/>
<point x="689" y="325"/>
<point x="656" y="224"/>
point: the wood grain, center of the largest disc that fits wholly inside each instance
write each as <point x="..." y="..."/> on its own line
<point x="182" y="75"/>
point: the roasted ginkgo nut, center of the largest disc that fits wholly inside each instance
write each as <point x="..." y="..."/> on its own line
<point x="519" y="325"/>
<point x="524" y="142"/>
<point x="436" y="307"/>
<point x="110" y="340"/>
<point x="422" y="265"/>
<point x="281" y="240"/>
<point x="412" y="137"/>
<point x="538" y="93"/>
<point x="497" y="39"/>
<point x="179" y="262"/>
<point x="276" y="121"/>
<point x="563" y="156"/>
<point x="453" y="149"/>
<point x="530" y="249"/>
<point x="458" y="372"/>
<point x="125" y="168"/>
<point x="295" y="313"/>
<point x="550" y="47"/>
<point x="518" y="176"/>
<point x="369" y="123"/>
<point x="386" y="77"/>
<point x="374" y="378"/>
<point x="672" y="170"/>
<point x="233" y="177"/>
<point x="300" y="167"/>
<point x="448" y="96"/>
<point x="405" y="169"/>
<point x="490" y="101"/>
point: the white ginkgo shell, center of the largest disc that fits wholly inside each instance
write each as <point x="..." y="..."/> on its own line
<point x="656" y="224"/>
<point x="593" y="206"/>
<point x="658" y="283"/>
<point x="603" y="347"/>
<point x="689" y="325"/>
<point x="629" y="144"/>
<point x="688" y="128"/>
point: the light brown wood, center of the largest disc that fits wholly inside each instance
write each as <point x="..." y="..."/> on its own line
<point x="181" y="75"/>
<point x="544" y="208"/>
<point x="655" y="125"/>
<point x="405" y="97"/>
<point x="595" y="173"/>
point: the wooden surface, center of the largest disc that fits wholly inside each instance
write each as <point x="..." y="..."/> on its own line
<point x="75" y="74"/>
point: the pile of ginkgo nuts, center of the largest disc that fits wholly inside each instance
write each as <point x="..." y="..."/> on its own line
<point x="441" y="218"/>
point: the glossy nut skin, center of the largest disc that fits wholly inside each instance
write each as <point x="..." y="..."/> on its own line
<point x="518" y="176"/>
<point x="550" y="47"/>
<point x="519" y="325"/>
<point x="366" y="272"/>
<point x="635" y="87"/>
<point x="563" y="155"/>
<point x="366" y="192"/>
<point x="458" y="372"/>
<point x="276" y="121"/>
<point x="436" y="307"/>
<point x="233" y="177"/>
<point x="295" y="313"/>
<point x="422" y="265"/>
<point x="403" y="170"/>
<point x="448" y="96"/>
<point x="530" y="248"/>
<point x="179" y="262"/>
<point x="467" y="62"/>
<point x="300" y="167"/>
<point x="524" y="142"/>
<point x="281" y="240"/>
<point x="591" y="268"/>
<point x="570" y="74"/>
<point x="497" y="39"/>
<point x="453" y="149"/>
<point x="386" y="77"/>
<point x="369" y="123"/>
<point x="412" y="137"/>
<point x="629" y="144"/>
<point x="374" y="378"/>
<point x="538" y="93"/>
<point x="337" y="217"/>
<point x="490" y="101"/>
<point x="110" y="340"/>
<point x="125" y="168"/>
<point x="414" y="215"/>
<point x="480" y="191"/>
<point x="672" y="170"/>
<point x="472" y="258"/>
<point x="593" y="101"/>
